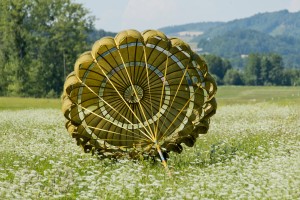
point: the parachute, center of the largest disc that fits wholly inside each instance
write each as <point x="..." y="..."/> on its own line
<point x="138" y="94"/>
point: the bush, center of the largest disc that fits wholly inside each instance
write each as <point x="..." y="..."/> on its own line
<point x="233" y="77"/>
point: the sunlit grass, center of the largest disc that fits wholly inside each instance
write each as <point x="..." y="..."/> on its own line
<point x="17" y="103"/>
<point x="255" y="94"/>
<point x="251" y="152"/>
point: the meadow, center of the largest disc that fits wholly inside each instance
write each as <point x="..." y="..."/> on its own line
<point x="252" y="151"/>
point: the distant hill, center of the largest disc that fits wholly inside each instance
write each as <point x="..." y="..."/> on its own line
<point x="272" y="23"/>
<point x="192" y="27"/>
<point x="233" y="45"/>
<point x="96" y="34"/>
<point x="276" y="32"/>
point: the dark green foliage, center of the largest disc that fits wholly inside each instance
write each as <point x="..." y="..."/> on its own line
<point x="217" y="66"/>
<point x="253" y="70"/>
<point x="233" y="77"/>
<point x="268" y="69"/>
<point x="260" y="69"/>
<point x="40" y="41"/>
<point x="39" y="37"/>
<point x="291" y="77"/>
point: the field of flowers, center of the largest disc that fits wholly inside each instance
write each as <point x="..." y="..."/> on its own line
<point x="252" y="151"/>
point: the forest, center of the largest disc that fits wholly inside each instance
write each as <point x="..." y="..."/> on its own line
<point x="41" y="39"/>
<point x="259" y="70"/>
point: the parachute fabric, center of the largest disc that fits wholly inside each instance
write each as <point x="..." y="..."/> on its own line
<point x="138" y="93"/>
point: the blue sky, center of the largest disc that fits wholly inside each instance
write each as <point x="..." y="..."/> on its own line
<point x="117" y="15"/>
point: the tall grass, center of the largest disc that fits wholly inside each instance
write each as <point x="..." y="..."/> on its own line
<point x="18" y="103"/>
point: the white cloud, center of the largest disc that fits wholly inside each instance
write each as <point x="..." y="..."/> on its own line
<point x="294" y="6"/>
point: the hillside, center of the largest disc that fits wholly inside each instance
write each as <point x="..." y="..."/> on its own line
<point x="276" y="32"/>
<point x="192" y="27"/>
<point x="233" y="45"/>
<point x="272" y="23"/>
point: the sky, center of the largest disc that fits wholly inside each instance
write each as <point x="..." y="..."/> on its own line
<point x="118" y="15"/>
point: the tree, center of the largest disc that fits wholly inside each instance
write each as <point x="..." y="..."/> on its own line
<point x="233" y="77"/>
<point x="41" y="40"/>
<point x="276" y="72"/>
<point x="266" y="66"/>
<point x="291" y="77"/>
<point x="217" y="66"/>
<point x="264" y="70"/>
<point x="14" y="46"/>
<point x="252" y="70"/>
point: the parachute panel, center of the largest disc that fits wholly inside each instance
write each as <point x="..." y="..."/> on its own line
<point x="138" y="90"/>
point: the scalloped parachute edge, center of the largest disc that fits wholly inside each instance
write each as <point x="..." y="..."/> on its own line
<point x="91" y="143"/>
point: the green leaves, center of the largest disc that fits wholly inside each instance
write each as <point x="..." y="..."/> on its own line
<point x="40" y="41"/>
<point x="217" y="66"/>
<point x="264" y="70"/>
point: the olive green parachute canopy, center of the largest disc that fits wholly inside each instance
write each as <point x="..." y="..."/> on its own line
<point x="137" y="91"/>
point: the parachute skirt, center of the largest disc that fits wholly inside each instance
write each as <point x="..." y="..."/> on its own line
<point x="136" y="92"/>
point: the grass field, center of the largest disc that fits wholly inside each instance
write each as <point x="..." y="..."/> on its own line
<point x="252" y="151"/>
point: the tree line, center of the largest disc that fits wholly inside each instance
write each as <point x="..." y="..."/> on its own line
<point x="40" y="41"/>
<point x="259" y="69"/>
